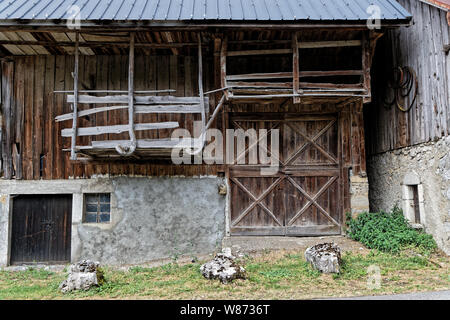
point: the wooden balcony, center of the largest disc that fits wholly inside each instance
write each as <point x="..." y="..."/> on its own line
<point x="137" y="103"/>
<point x="300" y="85"/>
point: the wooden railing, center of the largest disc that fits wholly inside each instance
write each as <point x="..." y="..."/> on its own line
<point x="268" y="85"/>
<point x="135" y="104"/>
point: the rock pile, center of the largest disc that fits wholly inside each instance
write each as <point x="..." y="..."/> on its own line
<point x="223" y="267"/>
<point x="83" y="276"/>
<point x="325" y="257"/>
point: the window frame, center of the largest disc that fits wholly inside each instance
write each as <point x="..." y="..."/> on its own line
<point x="99" y="204"/>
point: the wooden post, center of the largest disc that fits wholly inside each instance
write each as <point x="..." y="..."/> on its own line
<point x="200" y="85"/>
<point x="366" y="64"/>
<point x="295" y="68"/>
<point x="129" y="150"/>
<point x="131" y="87"/>
<point x="73" y="155"/>
<point x="223" y="66"/>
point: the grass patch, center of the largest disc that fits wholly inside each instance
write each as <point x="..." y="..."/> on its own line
<point x="273" y="275"/>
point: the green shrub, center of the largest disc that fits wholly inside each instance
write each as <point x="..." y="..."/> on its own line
<point x="388" y="231"/>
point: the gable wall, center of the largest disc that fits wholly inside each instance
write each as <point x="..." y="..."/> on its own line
<point x="420" y="47"/>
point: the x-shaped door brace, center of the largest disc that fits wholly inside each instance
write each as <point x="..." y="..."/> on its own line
<point x="257" y="201"/>
<point x="247" y="150"/>
<point x="311" y="141"/>
<point x="312" y="200"/>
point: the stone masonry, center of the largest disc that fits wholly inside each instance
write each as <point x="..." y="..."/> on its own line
<point x="430" y="162"/>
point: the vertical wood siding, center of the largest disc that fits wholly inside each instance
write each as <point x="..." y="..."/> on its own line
<point x="34" y="144"/>
<point x="420" y="47"/>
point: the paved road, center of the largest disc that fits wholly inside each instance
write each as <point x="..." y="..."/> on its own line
<point x="436" y="295"/>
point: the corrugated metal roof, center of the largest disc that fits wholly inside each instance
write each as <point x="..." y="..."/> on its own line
<point x="195" y="10"/>
<point x="442" y="4"/>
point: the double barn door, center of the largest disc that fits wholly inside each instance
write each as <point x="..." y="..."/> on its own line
<point x="301" y="198"/>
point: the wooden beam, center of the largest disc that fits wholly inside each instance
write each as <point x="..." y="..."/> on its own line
<point x="258" y="52"/>
<point x="116" y="91"/>
<point x="216" y="112"/>
<point x="149" y="143"/>
<point x="334" y="86"/>
<point x="90" y="44"/>
<point x="169" y="39"/>
<point x="244" y="84"/>
<point x="331" y="73"/>
<point x="302" y="45"/>
<point x="295" y="68"/>
<point x="329" y="44"/>
<point x="83" y="113"/>
<point x="200" y="86"/>
<point x="366" y="64"/>
<point x="73" y="155"/>
<point x="302" y="74"/>
<point x="88" y="99"/>
<point x="129" y="149"/>
<point x="223" y="66"/>
<point x="249" y="76"/>
<point x="188" y="108"/>
<point x="93" y="131"/>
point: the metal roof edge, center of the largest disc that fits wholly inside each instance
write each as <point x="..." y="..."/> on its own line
<point x="33" y="24"/>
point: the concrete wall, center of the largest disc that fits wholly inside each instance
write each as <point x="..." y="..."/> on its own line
<point x="151" y="218"/>
<point x="430" y="162"/>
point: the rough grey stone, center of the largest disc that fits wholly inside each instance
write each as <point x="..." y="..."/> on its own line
<point x="325" y="257"/>
<point x="223" y="267"/>
<point x="82" y="276"/>
<point x="432" y="166"/>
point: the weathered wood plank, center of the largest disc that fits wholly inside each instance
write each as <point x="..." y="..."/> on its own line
<point x="28" y="119"/>
<point x="19" y="97"/>
<point x="138" y="99"/>
<point x="117" y="129"/>
<point x="38" y="106"/>
<point x="7" y="117"/>
<point x="149" y="143"/>
<point x="49" y="105"/>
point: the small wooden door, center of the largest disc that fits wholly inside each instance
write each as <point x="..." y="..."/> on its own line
<point x="41" y="229"/>
<point x="303" y="197"/>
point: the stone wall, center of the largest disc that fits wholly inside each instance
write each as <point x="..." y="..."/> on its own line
<point x="151" y="218"/>
<point x="430" y="162"/>
<point x="359" y="195"/>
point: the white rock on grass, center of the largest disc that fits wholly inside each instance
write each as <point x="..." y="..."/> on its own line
<point x="223" y="267"/>
<point x="82" y="276"/>
<point x="325" y="257"/>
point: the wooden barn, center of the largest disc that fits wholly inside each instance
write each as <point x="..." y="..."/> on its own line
<point x="408" y="122"/>
<point x="95" y="95"/>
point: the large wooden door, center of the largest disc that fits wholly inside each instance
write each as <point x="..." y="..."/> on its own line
<point x="303" y="197"/>
<point x="41" y="229"/>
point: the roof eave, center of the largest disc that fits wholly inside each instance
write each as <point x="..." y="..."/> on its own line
<point x="189" y="24"/>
